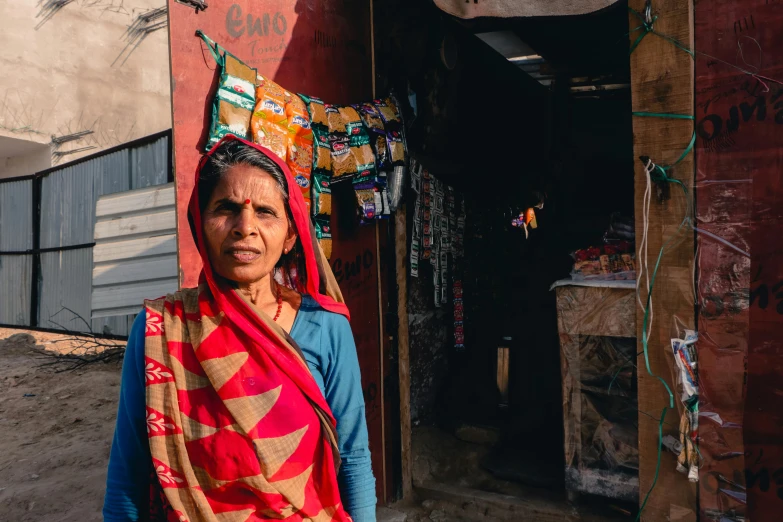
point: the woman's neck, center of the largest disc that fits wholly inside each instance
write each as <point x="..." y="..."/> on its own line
<point x="261" y="292"/>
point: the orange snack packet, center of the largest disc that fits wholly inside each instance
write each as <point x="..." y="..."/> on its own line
<point x="270" y="135"/>
<point x="270" y="101"/>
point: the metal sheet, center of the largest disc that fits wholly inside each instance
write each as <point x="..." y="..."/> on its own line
<point x="65" y="283"/>
<point x="149" y="164"/>
<point x="16" y="234"/>
<point x="15" y="278"/>
<point x="67" y="206"/>
<point x="16" y="215"/>
<point x="135" y="252"/>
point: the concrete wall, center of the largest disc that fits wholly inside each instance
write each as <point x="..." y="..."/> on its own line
<point x="78" y="69"/>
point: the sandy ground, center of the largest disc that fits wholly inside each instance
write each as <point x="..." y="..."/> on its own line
<point x="55" y="431"/>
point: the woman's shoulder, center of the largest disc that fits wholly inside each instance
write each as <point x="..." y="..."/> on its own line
<point x="311" y="307"/>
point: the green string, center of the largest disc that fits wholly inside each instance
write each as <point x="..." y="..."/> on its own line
<point x="664" y="115"/>
<point x="214" y="47"/>
<point x="648" y="28"/>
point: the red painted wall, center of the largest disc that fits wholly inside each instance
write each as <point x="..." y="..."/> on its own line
<point x="317" y="47"/>
<point x="739" y="160"/>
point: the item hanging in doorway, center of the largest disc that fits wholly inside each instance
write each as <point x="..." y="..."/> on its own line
<point x="527" y="219"/>
<point x="233" y="105"/>
<point x="437" y="236"/>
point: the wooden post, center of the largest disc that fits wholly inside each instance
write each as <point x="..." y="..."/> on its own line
<point x="401" y="269"/>
<point x="662" y="81"/>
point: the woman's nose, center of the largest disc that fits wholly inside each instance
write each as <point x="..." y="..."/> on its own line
<point x="245" y="223"/>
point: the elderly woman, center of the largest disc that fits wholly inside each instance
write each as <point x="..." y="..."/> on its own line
<point x="241" y="399"/>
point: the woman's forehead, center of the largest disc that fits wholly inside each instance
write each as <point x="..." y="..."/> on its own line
<point x="247" y="181"/>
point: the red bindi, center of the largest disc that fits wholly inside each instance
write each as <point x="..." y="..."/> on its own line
<point x="247" y="202"/>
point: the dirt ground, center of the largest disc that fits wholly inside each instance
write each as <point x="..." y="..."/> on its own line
<point x="55" y="430"/>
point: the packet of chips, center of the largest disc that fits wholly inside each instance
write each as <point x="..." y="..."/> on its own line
<point x="298" y="118"/>
<point x="322" y="195"/>
<point x="359" y="142"/>
<point x="270" y="135"/>
<point x="234" y="101"/>
<point x="334" y="120"/>
<point x="299" y="161"/>
<point x="343" y="163"/>
<point x="377" y="132"/>
<point x="367" y="204"/>
<point x="393" y="124"/>
<point x="270" y="101"/>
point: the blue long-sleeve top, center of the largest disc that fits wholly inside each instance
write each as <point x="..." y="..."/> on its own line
<point x="329" y="349"/>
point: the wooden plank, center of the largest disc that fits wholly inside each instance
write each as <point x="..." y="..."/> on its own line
<point x="159" y="222"/>
<point x="135" y="201"/>
<point x="133" y="248"/>
<point x="160" y="267"/>
<point x="403" y="348"/>
<point x="662" y="82"/>
<point x="504" y="507"/>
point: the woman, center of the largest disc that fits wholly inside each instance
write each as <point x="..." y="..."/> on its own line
<point x="231" y="391"/>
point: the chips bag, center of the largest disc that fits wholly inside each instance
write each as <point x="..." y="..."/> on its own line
<point x="234" y="101"/>
<point x="281" y="123"/>
<point x="394" y="130"/>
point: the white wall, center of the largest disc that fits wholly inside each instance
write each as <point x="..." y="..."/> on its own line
<point x="67" y="75"/>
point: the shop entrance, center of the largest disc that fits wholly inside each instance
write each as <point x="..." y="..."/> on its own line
<point x="514" y="115"/>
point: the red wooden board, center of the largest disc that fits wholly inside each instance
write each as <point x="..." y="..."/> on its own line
<point x="739" y="160"/>
<point x="316" y="47"/>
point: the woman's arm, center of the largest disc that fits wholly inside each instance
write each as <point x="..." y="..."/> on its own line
<point x="343" y="390"/>
<point x="127" y="485"/>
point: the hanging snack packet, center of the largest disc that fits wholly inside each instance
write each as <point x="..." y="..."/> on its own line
<point x="359" y="141"/>
<point x="317" y="110"/>
<point x="322" y="152"/>
<point x="298" y="118"/>
<point x="343" y="164"/>
<point x="322" y="195"/>
<point x="234" y="101"/>
<point x="393" y="124"/>
<point x="376" y="130"/>
<point x="323" y="232"/>
<point x="270" y="135"/>
<point x="371" y="117"/>
<point x="270" y="101"/>
<point x="300" y="161"/>
<point x="366" y="200"/>
<point x="334" y="120"/>
<point x="267" y="125"/>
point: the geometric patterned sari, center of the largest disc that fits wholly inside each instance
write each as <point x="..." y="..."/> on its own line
<point x="238" y="428"/>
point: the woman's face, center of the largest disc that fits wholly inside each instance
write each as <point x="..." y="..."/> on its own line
<point x="246" y="227"/>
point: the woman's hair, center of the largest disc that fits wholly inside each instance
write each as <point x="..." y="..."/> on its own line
<point x="234" y="153"/>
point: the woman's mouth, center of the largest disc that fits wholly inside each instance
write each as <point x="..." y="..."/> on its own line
<point x="244" y="255"/>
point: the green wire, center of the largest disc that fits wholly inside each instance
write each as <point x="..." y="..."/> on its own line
<point x="664" y="115"/>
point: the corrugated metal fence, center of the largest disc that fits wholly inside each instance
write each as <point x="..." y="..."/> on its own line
<point x="46" y="234"/>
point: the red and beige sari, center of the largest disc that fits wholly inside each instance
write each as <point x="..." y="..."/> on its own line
<point x="238" y="428"/>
